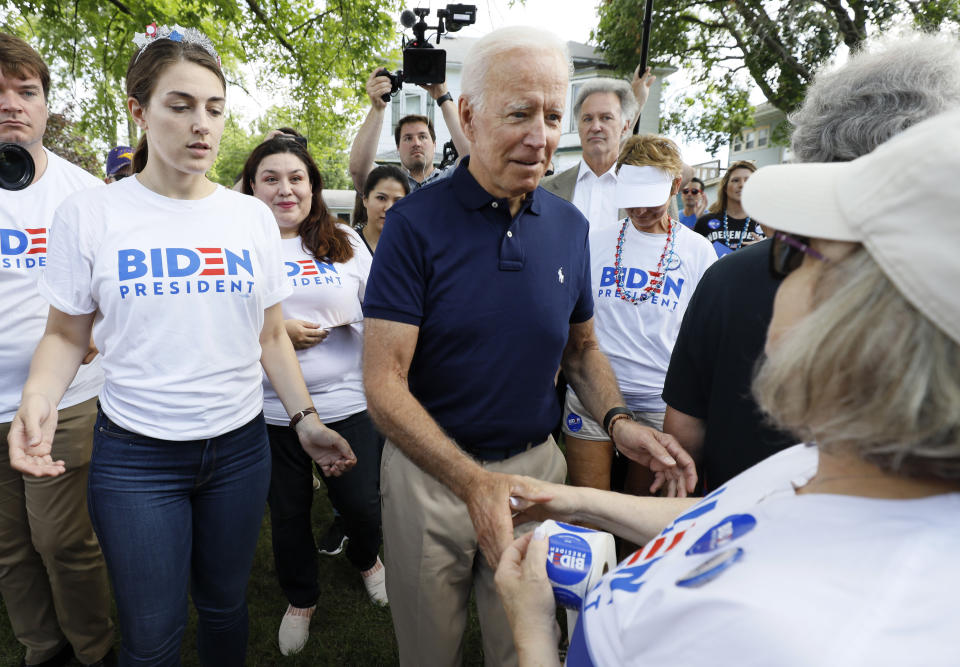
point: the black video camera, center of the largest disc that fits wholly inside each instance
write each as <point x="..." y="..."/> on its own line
<point x="422" y="63"/>
<point x="16" y="167"/>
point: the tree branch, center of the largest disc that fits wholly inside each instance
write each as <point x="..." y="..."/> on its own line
<point x="318" y="17"/>
<point x="766" y="29"/>
<point x="122" y="7"/>
<point x="258" y="12"/>
<point x="696" y="20"/>
<point x="851" y="32"/>
<point x="765" y="87"/>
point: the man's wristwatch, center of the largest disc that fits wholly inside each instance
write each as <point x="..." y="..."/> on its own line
<point x="443" y="98"/>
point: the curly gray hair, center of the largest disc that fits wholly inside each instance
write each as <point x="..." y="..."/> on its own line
<point x="887" y="86"/>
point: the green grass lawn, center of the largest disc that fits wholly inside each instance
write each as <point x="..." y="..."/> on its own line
<point x="347" y="628"/>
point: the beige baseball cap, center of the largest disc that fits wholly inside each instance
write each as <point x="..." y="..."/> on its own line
<point x="899" y="201"/>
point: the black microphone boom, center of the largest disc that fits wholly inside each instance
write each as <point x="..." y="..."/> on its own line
<point x="644" y="47"/>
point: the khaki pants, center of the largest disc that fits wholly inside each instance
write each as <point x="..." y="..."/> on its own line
<point x="52" y="575"/>
<point x="433" y="560"/>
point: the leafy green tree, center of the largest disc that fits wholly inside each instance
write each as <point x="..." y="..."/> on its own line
<point x="63" y="138"/>
<point x="726" y="45"/>
<point x="310" y="55"/>
<point x="239" y="139"/>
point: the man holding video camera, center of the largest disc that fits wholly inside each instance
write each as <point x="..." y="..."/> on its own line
<point x="415" y="136"/>
<point x="52" y="574"/>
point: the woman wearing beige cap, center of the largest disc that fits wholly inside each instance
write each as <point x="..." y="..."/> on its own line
<point x="839" y="551"/>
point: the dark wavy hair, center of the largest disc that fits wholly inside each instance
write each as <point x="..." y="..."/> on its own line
<point x="319" y="233"/>
<point x="145" y="68"/>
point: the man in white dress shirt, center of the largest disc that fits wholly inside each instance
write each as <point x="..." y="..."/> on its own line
<point x="605" y="110"/>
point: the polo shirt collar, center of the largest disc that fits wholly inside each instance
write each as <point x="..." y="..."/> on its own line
<point x="473" y="197"/>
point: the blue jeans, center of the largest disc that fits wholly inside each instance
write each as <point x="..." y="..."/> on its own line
<point x="173" y="513"/>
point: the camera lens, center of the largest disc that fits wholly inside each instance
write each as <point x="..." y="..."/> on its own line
<point x="16" y="167"/>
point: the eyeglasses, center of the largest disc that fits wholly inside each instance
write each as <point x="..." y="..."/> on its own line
<point x="786" y="254"/>
<point x="691" y="191"/>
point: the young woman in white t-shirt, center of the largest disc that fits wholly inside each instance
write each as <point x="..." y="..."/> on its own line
<point x="180" y="280"/>
<point x="326" y="264"/>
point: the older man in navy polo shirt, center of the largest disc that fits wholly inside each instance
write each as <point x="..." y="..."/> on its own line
<point x="480" y="288"/>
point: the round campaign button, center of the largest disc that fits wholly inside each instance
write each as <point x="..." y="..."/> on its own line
<point x="713" y="223"/>
<point x="568" y="559"/>
<point x="711" y="568"/>
<point x="574" y="422"/>
<point x="734" y="526"/>
<point x="566" y="598"/>
<point x="672" y="262"/>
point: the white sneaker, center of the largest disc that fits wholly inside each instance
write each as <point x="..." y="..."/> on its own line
<point x="294" y="629"/>
<point x="375" y="579"/>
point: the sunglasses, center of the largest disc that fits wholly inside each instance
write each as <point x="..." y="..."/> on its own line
<point x="691" y="191"/>
<point x="786" y="254"/>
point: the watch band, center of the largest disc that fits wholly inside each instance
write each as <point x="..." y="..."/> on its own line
<point x="443" y="98"/>
<point x="611" y="414"/>
<point x="294" y="420"/>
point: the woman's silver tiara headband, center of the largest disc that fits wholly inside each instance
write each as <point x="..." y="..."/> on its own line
<point x="176" y="33"/>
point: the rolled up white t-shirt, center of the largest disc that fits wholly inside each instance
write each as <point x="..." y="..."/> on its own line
<point x="25" y="217"/>
<point x="180" y="287"/>
<point x="329" y="294"/>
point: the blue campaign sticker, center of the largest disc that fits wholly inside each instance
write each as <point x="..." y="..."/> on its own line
<point x="567" y="599"/>
<point x="574" y="422"/>
<point x="569" y="527"/>
<point x="734" y="526"/>
<point x="711" y="568"/>
<point x="568" y="559"/>
<point x="713" y="223"/>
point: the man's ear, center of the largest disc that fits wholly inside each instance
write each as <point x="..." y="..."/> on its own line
<point x="467" y="115"/>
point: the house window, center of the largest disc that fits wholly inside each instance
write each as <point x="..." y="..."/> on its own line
<point x="574" y="91"/>
<point x="751" y="138"/>
<point x="763" y="137"/>
<point x="412" y="104"/>
<point x="408" y="104"/>
<point x="395" y="114"/>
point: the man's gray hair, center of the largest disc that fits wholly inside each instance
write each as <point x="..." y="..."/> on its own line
<point x="477" y="63"/>
<point x="619" y="87"/>
<point x="890" y="84"/>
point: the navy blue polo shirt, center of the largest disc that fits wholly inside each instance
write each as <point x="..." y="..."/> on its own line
<point x="494" y="298"/>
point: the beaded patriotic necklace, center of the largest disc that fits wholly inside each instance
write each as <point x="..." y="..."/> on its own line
<point x="654" y="284"/>
<point x="743" y="234"/>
